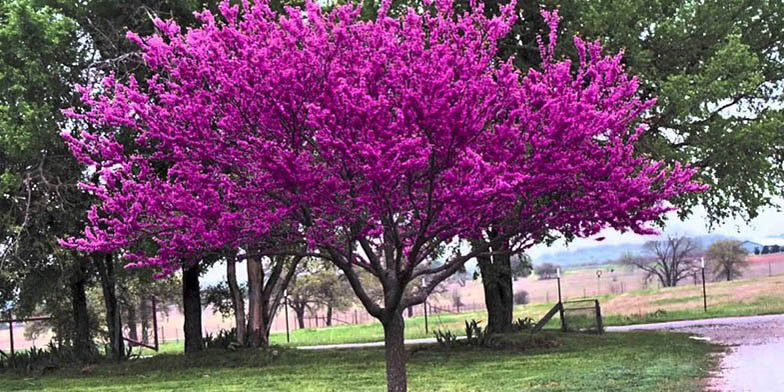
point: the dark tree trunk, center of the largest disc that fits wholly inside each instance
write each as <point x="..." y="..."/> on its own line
<point x="300" y="311"/>
<point x="81" y="338"/>
<point x="496" y="272"/>
<point x="329" y="316"/>
<point x="237" y="300"/>
<point x="105" y="263"/>
<point x="729" y="276"/>
<point x="132" y="321"/>
<point x="395" y="351"/>
<point x="144" y="309"/>
<point x="191" y="300"/>
<point x="256" y="325"/>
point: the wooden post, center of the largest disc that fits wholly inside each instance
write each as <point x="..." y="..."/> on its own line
<point x="599" y="317"/>
<point x="425" y="304"/>
<point x="155" y="323"/>
<point x="11" y="332"/>
<point x="560" y="302"/>
<point x="286" y="310"/>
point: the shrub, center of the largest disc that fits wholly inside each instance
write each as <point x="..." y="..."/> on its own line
<point x="225" y="339"/>
<point x="37" y="361"/>
<point x="520" y="297"/>
<point x="524" y="324"/>
<point x="445" y="338"/>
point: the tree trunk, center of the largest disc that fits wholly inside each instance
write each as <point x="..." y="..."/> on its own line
<point x="105" y="263"/>
<point x="237" y="300"/>
<point x="395" y="352"/>
<point x="133" y="332"/>
<point x="256" y="326"/>
<point x="329" y="315"/>
<point x="300" y="311"/>
<point x="498" y="288"/>
<point x="144" y="309"/>
<point x="729" y="272"/>
<point x="82" y="341"/>
<point x="191" y="300"/>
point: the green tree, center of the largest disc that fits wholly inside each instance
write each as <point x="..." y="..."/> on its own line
<point x="728" y="258"/>
<point x="39" y="60"/>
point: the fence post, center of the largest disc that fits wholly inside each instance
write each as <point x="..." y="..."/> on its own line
<point x="155" y="322"/>
<point x="425" y="307"/>
<point x="11" y="332"/>
<point x="599" y="317"/>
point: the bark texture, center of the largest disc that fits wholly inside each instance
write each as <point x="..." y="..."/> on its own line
<point x="237" y="300"/>
<point x="105" y="263"/>
<point x="82" y="340"/>
<point x="191" y="300"/>
<point x="395" y="352"/>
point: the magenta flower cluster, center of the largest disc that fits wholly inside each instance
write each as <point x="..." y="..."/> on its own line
<point x="401" y="134"/>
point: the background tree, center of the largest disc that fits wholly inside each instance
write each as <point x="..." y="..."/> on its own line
<point x="319" y="286"/>
<point x="669" y="260"/>
<point x="39" y="202"/>
<point x="728" y="258"/>
<point x="546" y="270"/>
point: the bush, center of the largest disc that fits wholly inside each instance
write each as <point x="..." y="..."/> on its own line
<point x="520" y="297"/>
<point x="445" y="338"/>
<point x="477" y="336"/>
<point x="524" y="324"/>
<point x="37" y="361"/>
<point x="225" y="339"/>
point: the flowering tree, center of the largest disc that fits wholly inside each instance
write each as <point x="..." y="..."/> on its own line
<point x="376" y="145"/>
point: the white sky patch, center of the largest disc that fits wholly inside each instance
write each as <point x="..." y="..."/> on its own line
<point x="768" y="224"/>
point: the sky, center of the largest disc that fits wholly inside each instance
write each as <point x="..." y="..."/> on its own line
<point x="768" y="224"/>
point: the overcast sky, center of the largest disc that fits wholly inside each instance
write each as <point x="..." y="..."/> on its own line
<point x="770" y="222"/>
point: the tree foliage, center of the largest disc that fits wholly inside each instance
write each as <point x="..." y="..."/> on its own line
<point x="728" y="258"/>
<point x="546" y="270"/>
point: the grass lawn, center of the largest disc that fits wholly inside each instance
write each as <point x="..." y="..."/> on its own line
<point x="632" y="361"/>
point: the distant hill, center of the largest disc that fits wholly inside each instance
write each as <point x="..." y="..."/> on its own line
<point x="605" y="253"/>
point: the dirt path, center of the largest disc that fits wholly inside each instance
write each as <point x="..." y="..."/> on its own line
<point x="755" y="361"/>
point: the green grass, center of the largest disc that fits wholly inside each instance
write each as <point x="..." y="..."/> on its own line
<point x="638" y="361"/>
